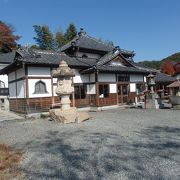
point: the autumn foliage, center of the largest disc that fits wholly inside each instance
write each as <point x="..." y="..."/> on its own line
<point x="170" y="67"/>
<point x="7" y="39"/>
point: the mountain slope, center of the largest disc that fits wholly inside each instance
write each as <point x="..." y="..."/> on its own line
<point x="157" y="64"/>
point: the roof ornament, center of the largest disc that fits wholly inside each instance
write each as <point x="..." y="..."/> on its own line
<point x="73" y="43"/>
<point x="82" y="32"/>
<point x="116" y="49"/>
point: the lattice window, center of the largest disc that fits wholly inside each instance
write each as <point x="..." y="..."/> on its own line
<point x="80" y="91"/>
<point x="40" y="88"/>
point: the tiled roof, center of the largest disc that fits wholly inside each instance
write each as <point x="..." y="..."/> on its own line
<point x="107" y="57"/>
<point x="121" y="69"/>
<point x="107" y="68"/>
<point x="161" y="77"/>
<point x="7" y="58"/>
<point x="82" y="40"/>
<point x="54" y="58"/>
<point x="174" y="84"/>
<point x="31" y="56"/>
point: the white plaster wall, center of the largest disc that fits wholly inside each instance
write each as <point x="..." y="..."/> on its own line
<point x="20" y="73"/>
<point x="113" y="88"/>
<point x="92" y="77"/>
<point x="54" y="80"/>
<point x="21" y="89"/>
<point x="11" y="76"/>
<point x="102" y="77"/>
<point x="31" y="85"/>
<point x="4" y="78"/>
<point x="39" y="71"/>
<point x="12" y="90"/>
<point x="132" y="87"/>
<point x="136" y="78"/>
<point x="80" y="78"/>
<point x="91" y="89"/>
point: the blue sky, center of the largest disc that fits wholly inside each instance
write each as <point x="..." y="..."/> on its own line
<point x="149" y="27"/>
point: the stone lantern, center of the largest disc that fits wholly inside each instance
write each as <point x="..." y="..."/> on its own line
<point x="151" y="82"/>
<point x="65" y="113"/>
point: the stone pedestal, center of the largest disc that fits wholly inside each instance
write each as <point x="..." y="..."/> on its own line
<point x="68" y="116"/>
<point x="65" y="114"/>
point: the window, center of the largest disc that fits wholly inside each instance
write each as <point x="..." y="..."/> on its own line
<point x="2" y="84"/>
<point x="4" y="91"/>
<point x="40" y="88"/>
<point x="103" y="90"/>
<point x="80" y="91"/>
<point x="123" y="77"/>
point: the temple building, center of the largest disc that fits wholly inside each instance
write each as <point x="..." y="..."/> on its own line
<point x="104" y="75"/>
<point x="5" y="60"/>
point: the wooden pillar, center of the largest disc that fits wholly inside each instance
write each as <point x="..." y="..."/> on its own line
<point x="27" y="87"/>
<point x="97" y="88"/>
<point x="73" y="96"/>
<point x="52" y="88"/>
<point x="17" y="108"/>
<point x="117" y="89"/>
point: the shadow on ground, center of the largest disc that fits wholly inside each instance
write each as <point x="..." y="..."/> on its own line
<point x="153" y="154"/>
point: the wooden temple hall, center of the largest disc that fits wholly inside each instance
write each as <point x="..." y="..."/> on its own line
<point x="104" y="75"/>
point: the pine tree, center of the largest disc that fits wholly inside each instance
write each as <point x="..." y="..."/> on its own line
<point x="71" y="32"/>
<point x="7" y="39"/>
<point x="60" y="39"/>
<point x="44" y="37"/>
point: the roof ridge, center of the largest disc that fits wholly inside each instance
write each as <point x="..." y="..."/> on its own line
<point x="99" y="41"/>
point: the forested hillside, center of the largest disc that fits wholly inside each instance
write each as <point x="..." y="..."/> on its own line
<point x="157" y="64"/>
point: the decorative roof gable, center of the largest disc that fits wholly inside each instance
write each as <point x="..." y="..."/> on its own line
<point x="114" y="58"/>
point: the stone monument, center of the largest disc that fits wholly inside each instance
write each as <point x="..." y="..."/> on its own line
<point x="152" y="99"/>
<point x="151" y="82"/>
<point x="66" y="113"/>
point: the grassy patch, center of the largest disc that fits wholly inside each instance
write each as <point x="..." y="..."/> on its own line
<point x="9" y="161"/>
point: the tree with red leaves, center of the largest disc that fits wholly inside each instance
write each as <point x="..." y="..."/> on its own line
<point x="7" y="39"/>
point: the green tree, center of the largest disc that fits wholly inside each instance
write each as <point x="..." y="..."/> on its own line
<point x="71" y="32"/>
<point x="44" y="37"/>
<point x="60" y="39"/>
<point x="7" y="38"/>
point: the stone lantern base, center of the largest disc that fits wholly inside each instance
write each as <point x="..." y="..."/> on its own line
<point x="68" y="116"/>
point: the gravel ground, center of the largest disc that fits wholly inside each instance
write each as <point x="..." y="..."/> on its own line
<point x="113" y="144"/>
